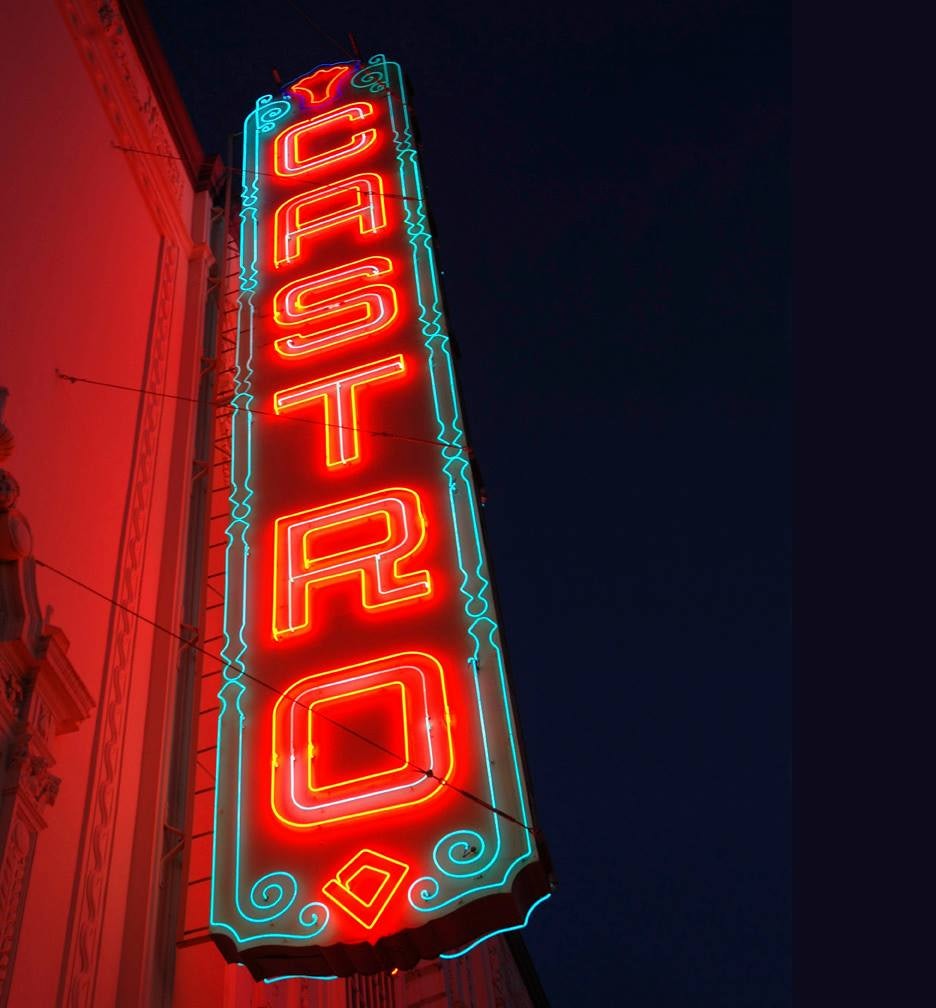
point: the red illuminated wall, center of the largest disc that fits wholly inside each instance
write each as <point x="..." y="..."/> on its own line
<point x="104" y="277"/>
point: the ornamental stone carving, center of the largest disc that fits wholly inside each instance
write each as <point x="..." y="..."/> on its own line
<point x="41" y="696"/>
<point x="15" y="537"/>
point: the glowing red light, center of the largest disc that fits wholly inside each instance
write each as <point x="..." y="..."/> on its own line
<point x="352" y="879"/>
<point x="341" y="313"/>
<point x="339" y="393"/>
<point x="318" y="87"/>
<point x="290" y="156"/>
<point x="302" y="568"/>
<point x="314" y="725"/>
<point x="358" y="199"/>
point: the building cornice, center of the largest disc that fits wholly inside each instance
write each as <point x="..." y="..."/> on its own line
<point x="135" y="105"/>
<point x="166" y="91"/>
<point x="67" y="696"/>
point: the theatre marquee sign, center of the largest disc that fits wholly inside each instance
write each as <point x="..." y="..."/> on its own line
<point x="371" y="805"/>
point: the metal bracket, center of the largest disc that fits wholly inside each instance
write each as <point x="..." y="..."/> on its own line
<point x="176" y="848"/>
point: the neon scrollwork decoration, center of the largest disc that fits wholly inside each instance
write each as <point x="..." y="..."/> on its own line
<point x="371" y="805"/>
<point x="459" y="853"/>
<point x="315" y="917"/>
<point x="273" y="894"/>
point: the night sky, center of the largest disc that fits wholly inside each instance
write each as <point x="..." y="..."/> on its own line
<point x="610" y="189"/>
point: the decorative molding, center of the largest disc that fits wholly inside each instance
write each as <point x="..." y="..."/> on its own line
<point x="127" y="94"/>
<point x="134" y="111"/>
<point x="138" y="87"/>
<point x="80" y="960"/>
<point x="69" y="701"/>
<point x="12" y="688"/>
<point x="7" y="440"/>
<point x="41" y="695"/>
<point x="201" y="171"/>
<point x="13" y="872"/>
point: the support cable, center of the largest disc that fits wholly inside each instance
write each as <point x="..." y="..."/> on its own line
<point x="231" y="171"/>
<point x="221" y="404"/>
<point x="260" y="682"/>
<point x="346" y="54"/>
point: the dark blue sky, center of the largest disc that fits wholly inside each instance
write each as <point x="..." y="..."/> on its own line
<point x="610" y="188"/>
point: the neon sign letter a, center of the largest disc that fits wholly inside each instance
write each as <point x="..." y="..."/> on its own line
<point x="358" y="198"/>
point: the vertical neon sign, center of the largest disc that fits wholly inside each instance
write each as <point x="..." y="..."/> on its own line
<point x="371" y="806"/>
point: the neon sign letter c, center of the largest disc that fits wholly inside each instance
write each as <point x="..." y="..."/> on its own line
<point x="288" y="157"/>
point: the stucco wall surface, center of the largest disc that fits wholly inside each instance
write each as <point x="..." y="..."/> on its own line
<point x="98" y="283"/>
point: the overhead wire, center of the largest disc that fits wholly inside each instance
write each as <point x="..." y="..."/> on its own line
<point x="222" y="404"/>
<point x="346" y="53"/>
<point x="195" y="646"/>
<point x="231" y="170"/>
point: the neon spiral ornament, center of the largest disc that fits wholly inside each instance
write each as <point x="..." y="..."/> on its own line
<point x="422" y="892"/>
<point x="269" y="112"/>
<point x="373" y="76"/>
<point x="459" y="854"/>
<point x="315" y="916"/>
<point x="273" y="894"/>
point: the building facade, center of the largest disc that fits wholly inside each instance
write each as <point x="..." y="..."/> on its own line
<point x="118" y="299"/>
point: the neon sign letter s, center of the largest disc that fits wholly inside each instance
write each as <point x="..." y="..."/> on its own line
<point x="334" y="318"/>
